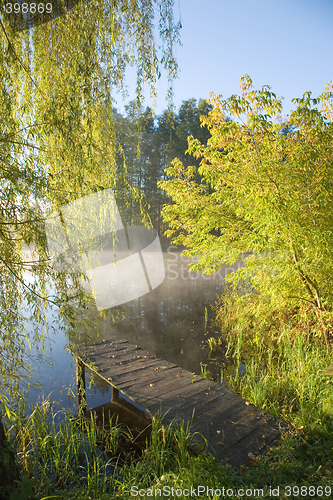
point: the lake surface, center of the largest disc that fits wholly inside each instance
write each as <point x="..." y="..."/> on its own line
<point x="173" y="321"/>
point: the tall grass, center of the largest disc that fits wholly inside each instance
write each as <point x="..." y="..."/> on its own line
<point x="168" y="462"/>
<point x="285" y="378"/>
<point x="77" y="459"/>
<point x="68" y="454"/>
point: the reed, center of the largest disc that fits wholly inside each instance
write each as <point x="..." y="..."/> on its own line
<point x="59" y="451"/>
<point x="63" y="457"/>
<point x="168" y="462"/>
<point x="284" y="376"/>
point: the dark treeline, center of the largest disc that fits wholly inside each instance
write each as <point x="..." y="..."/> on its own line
<point x="146" y="145"/>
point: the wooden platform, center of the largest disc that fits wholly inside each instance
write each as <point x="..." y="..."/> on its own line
<point x="233" y="428"/>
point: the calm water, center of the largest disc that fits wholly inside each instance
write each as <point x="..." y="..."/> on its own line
<point x="169" y="322"/>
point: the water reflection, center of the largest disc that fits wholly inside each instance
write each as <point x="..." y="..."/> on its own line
<point x="169" y="322"/>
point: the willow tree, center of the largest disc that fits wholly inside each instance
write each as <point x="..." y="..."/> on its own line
<point x="266" y="192"/>
<point x="57" y="143"/>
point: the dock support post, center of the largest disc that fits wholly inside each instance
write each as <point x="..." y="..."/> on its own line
<point x="115" y="395"/>
<point x="80" y="387"/>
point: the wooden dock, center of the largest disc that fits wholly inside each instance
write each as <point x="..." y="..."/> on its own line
<point x="233" y="428"/>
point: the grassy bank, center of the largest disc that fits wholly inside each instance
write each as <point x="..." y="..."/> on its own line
<point x="284" y="376"/>
<point x="75" y="459"/>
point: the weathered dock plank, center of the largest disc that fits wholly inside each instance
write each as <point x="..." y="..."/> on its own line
<point x="233" y="429"/>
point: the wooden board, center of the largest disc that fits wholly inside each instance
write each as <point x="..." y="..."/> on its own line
<point x="233" y="429"/>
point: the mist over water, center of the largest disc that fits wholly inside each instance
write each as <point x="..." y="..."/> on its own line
<point x="169" y="322"/>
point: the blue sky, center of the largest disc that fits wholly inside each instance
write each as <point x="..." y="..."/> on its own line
<point x="286" y="44"/>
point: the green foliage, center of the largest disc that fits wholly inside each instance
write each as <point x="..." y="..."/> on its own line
<point x="70" y="453"/>
<point x="285" y="377"/>
<point x="266" y="193"/>
<point x="146" y="144"/>
<point x="174" y="128"/>
<point x="77" y="459"/>
<point x="52" y="456"/>
<point x="57" y="143"/>
<point x="168" y="462"/>
<point x="138" y="155"/>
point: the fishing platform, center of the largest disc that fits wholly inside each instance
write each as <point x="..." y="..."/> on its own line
<point x="230" y="428"/>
